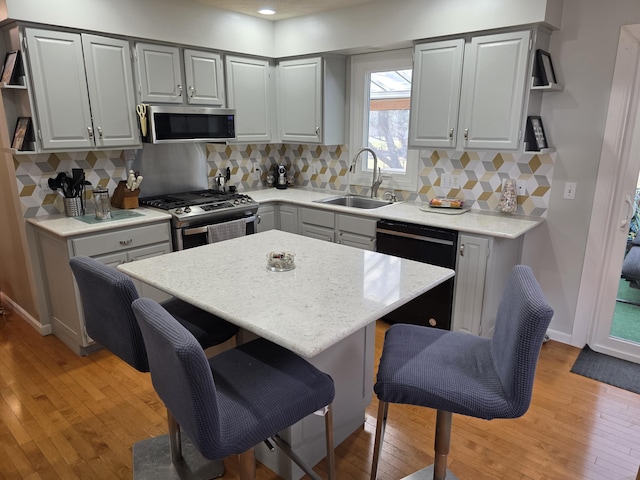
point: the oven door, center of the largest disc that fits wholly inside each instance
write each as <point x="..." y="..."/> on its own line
<point x="189" y="237"/>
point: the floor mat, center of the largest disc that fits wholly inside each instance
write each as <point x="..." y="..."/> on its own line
<point x="606" y="369"/>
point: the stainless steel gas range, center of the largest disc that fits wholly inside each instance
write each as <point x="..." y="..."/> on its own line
<point x="193" y="212"/>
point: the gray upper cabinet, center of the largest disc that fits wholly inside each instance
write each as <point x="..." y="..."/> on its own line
<point x="437" y="76"/>
<point x="160" y="75"/>
<point x="470" y="95"/>
<point x="494" y="83"/>
<point x="250" y="94"/>
<point x="311" y="100"/>
<point x="204" y="76"/>
<point x="83" y="90"/>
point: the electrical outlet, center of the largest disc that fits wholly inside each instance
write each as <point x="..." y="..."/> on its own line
<point x="570" y="190"/>
<point x="447" y="180"/>
<point x="521" y="187"/>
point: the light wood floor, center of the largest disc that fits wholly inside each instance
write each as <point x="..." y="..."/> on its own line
<point x="68" y="417"/>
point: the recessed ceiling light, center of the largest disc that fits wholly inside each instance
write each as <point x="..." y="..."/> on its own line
<point x="267" y="11"/>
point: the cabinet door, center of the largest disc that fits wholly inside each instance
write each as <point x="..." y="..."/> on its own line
<point x="435" y="94"/>
<point x="249" y="92"/>
<point x="469" y="280"/>
<point x="59" y="89"/>
<point x="205" y="81"/>
<point x="266" y="218"/>
<point x="359" y="241"/>
<point x="493" y="87"/>
<point x="300" y="100"/>
<point x="110" y="83"/>
<point x="144" y="289"/>
<point x="288" y="219"/>
<point x="159" y="73"/>
<point x="314" y="231"/>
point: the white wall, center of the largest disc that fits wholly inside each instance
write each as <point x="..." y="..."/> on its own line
<point x="583" y="52"/>
<point x="177" y="21"/>
<point x="398" y="23"/>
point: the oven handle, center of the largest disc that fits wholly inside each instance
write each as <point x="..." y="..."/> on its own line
<point x="198" y="230"/>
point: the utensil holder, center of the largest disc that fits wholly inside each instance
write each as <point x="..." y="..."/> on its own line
<point x="124" y="198"/>
<point x="73" y="207"/>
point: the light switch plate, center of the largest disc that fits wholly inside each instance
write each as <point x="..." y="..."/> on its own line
<point x="570" y="190"/>
<point x="521" y="187"/>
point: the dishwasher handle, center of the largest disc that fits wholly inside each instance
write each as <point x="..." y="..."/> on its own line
<point x="413" y="236"/>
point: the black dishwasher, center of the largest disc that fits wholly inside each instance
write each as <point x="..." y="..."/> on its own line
<point x="436" y="246"/>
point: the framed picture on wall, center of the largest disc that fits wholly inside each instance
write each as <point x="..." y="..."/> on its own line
<point x="535" y="137"/>
<point x="22" y="132"/>
<point x="544" y="68"/>
<point x="10" y="67"/>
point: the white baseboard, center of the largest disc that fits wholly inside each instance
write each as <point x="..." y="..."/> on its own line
<point x="560" y="337"/>
<point x="26" y="316"/>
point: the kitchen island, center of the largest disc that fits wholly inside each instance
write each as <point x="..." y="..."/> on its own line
<point x="324" y="310"/>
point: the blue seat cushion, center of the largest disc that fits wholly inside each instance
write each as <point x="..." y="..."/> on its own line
<point x="444" y="370"/>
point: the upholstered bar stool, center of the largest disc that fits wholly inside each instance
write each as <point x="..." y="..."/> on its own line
<point x="454" y="372"/>
<point x="237" y="399"/>
<point x="106" y="295"/>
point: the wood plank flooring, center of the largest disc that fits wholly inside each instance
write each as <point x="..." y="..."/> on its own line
<point x="69" y="417"/>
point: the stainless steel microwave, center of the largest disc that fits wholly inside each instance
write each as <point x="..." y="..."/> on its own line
<point x="179" y="124"/>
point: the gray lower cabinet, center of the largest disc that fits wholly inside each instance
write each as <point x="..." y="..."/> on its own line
<point x="288" y="218"/>
<point x="266" y="218"/>
<point x="317" y="223"/>
<point x="60" y="300"/>
<point x="483" y="266"/>
<point x="354" y="231"/>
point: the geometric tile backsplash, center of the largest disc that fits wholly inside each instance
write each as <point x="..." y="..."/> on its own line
<point x="481" y="174"/>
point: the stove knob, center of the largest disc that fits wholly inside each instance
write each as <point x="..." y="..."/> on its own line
<point x="236" y="201"/>
<point x="187" y="210"/>
<point x="178" y="211"/>
<point x="249" y="199"/>
<point x="243" y="200"/>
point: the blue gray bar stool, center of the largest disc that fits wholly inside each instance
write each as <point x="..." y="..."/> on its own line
<point x="106" y="295"/>
<point x="237" y="399"/>
<point x="454" y="372"/>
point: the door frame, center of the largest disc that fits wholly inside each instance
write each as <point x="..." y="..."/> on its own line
<point x="612" y="208"/>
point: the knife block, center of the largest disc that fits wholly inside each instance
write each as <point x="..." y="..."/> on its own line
<point x="125" y="198"/>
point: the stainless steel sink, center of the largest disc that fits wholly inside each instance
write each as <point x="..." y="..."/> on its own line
<point x="355" y="201"/>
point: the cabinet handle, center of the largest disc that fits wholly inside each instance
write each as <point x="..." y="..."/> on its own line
<point x="179" y="90"/>
<point x="451" y="134"/>
<point x="191" y="91"/>
<point x="124" y="243"/>
<point x="90" y="130"/>
<point x="466" y="134"/>
<point x="100" y="132"/>
<point x="259" y="219"/>
<point x="462" y="250"/>
<point x="317" y="131"/>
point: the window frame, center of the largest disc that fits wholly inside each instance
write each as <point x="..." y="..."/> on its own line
<point x="362" y="65"/>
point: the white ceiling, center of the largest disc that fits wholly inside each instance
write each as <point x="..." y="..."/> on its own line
<point x="284" y="8"/>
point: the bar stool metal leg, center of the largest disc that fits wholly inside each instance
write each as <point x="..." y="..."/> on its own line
<point x="442" y="442"/>
<point x="331" y="453"/>
<point x="383" y="409"/>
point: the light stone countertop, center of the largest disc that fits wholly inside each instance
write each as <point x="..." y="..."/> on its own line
<point x="473" y="221"/>
<point x="64" y="226"/>
<point x="333" y="292"/>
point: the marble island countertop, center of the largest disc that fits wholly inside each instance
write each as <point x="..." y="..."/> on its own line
<point x="472" y="221"/>
<point x="332" y="292"/>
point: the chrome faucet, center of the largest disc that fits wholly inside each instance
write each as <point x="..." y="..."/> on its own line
<point x="377" y="177"/>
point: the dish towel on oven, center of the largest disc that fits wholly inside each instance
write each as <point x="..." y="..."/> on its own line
<point x="227" y="230"/>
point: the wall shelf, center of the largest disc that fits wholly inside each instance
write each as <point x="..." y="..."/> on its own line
<point x="552" y="87"/>
<point x="542" y="151"/>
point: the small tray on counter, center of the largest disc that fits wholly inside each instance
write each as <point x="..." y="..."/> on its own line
<point x="115" y="215"/>
<point x="425" y="207"/>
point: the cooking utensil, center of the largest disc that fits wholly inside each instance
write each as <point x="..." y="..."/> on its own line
<point x="227" y="175"/>
<point x="141" y="109"/>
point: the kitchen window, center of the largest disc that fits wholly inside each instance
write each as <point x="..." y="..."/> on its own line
<point x="380" y="106"/>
